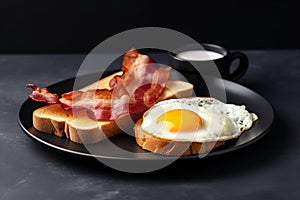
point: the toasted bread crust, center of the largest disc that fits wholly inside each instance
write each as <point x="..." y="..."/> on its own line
<point x="77" y="127"/>
<point x="170" y="147"/>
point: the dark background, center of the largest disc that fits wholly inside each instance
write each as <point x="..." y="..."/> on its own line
<point x="78" y="26"/>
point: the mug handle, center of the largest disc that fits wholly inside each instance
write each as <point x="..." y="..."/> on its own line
<point x="243" y="65"/>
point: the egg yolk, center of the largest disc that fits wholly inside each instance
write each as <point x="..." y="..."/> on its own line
<point x="180" y="121"/>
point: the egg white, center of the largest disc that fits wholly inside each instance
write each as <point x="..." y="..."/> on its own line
<point x="220" y="121"/>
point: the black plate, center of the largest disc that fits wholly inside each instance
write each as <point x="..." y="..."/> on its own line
<point x="236" y="94"/>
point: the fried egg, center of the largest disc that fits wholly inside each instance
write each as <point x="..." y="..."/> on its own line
<point x="197" y="119"/>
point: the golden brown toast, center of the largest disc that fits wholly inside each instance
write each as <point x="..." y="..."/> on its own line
<point x="171" y="147"/>
<point x="53" y="119"/>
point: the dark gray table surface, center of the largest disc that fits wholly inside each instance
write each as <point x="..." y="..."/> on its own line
<point x="266" y="169"/>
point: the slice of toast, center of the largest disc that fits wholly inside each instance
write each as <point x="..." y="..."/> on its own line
<point x="53" y="119"/>
<point x="171" y="147"/>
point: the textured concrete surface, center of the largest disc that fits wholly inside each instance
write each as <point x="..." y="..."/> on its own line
<point x="266" y="169"/>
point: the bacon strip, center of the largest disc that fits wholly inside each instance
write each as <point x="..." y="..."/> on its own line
<point x="136" y="90"/>
<point x="42" y="95"/>
<point x="131" y="61"/>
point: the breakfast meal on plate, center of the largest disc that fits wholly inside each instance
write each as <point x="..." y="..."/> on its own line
<point x="191" y="125"/>
<point x="94" y="112"/>
<point x="167" y="118"/>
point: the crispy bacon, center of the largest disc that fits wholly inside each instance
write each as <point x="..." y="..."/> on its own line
<point x="80" y="98"/>
<point x="137" y="89"/>
<point x="131" y="62"/>
<point x="42" y="95"/>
